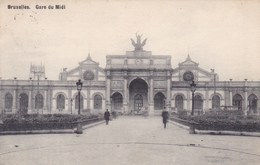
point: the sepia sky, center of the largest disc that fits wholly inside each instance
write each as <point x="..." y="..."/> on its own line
<point x="224" y="35"/>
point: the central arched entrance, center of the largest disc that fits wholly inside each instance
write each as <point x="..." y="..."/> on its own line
<point x="138" y="95"/>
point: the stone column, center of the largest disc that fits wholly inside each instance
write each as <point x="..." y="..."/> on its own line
<point x="245" y="102"/>
<point x="126" y="100"/>
<point x="30" y="102"/>
<point x="168" y="104"/>
<point x="45" y="100"/>
<point x="70" y="101"/>
<point x="230" y="93"/>
<point x="88" y="97"/>
<point x="230" y="98"/>
<point x="2" y="99"/>
<point x="15" y="104"/>
<point x="189" y="100"/>
<point x="151" y="101"/>
<point x="207" y="100"/>
<point x="108" y="81"/>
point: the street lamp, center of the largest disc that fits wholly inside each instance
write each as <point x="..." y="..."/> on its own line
<point x="193" y="89"/>
<point x="79" y="87"/>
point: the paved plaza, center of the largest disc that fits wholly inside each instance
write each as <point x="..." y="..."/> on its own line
<point x="129" y="141"/>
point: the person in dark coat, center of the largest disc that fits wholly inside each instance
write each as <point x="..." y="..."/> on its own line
<point x="106" y="116"/>
<point x="165" y="116"/>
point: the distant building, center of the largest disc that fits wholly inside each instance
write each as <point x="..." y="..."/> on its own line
<point x="129" y="82"/>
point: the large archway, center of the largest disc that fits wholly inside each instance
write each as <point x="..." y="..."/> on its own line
<point x="138" y="95"/>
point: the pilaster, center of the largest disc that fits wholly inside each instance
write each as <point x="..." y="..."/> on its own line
<point x="151" y="101"/>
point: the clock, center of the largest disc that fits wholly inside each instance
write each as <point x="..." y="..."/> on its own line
<point x="88" y="75"/>
<point x="188" y="76"/>
<point x="138" y="61"/>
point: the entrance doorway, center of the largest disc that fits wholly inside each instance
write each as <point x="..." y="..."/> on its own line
<point x="138" y="102"/>
<point x="138" y="95"/>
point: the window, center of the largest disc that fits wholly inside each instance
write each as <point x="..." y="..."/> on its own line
<point x="8" y="102"/>
<point x="252" y="103"/>
<point x="60" y="102"/>
<point x="179" y="102"/>
<point x="198" y="102"/>
<point x="215" y="102"/>
<point x="237" y="101"/>
<point x="117" y="101"/>
<point x="38" y="101"/>
<point x="159" y="101"/>
<point x="77" y="102"/>
<point x="97" y="102"/>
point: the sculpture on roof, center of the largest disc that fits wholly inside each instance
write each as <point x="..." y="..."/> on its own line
<point x="138" y="44"/>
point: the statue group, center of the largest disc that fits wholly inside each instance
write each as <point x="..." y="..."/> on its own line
<point x="138" y="44"/>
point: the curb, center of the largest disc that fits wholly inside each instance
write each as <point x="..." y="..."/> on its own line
<point x="62" y="131"/>
<point x="179" y="125"/>
<point x="211" y="132"/>
<point x="233" y="133"/>
<point x="92" y="125"/>
<point x="65" y="131"/>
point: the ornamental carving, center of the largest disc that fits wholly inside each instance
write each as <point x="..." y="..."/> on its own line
<point x="117" y="84"/>
<point x="160" y="84"/>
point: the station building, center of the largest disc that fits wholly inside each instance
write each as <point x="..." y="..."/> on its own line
<point x="130" y="82"/>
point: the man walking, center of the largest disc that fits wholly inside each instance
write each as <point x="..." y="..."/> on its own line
<point x="106" y="116"/>
<point x="165" y="116"/>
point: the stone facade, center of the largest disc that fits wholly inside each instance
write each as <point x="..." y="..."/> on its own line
<point x="131" y="82"/>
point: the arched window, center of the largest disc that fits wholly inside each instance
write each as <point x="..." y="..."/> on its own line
<point x="159" y="101"/>
<point x="198" y="103"/>
<point x="77" y="102"/>
<point x="179" y="102"/>
<point x="215" y="102"/>
<point x="60" y="102"/>
<point x="23" y="103"/>
<point x="38" y="101"/>
<point x="252" y="103"/>
<point x="8" y="102"/>
<point x="237" y="101"/>
<point x="117" y="100"/>
<point x="97" y="102"/>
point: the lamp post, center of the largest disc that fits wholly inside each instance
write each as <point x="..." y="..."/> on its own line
<point x="79" y="87"/>
<point x="193" y="89"/>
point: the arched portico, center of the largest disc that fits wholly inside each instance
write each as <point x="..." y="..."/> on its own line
<point x="138" y="94"/>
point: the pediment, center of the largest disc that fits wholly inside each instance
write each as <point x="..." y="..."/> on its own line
<point x="189" y="62"/>
<point x="88" y="61"/>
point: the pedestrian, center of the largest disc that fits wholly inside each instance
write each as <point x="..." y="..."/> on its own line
<point x="106" y="116"/>
<point x="165" y="116"/>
